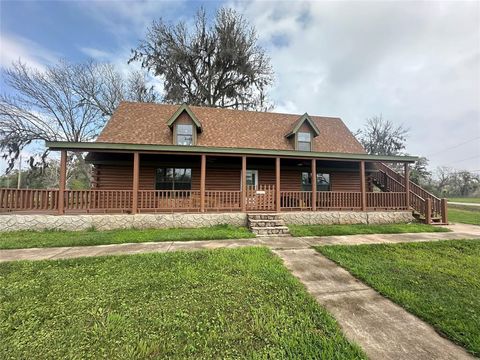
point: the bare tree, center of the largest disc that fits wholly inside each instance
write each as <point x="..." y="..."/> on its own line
<point x="217" y="65"/>
<point x="65" y="101"/>
<point x="382" y="137"/>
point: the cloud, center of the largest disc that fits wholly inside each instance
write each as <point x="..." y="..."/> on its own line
<point x="96" y="54"/>
<point x="13" y="48"/>
<point x="127" y="18"/>
<point x="417" y="63"/>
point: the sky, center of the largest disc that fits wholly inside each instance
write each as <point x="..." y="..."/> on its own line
<point x="416" y="63"/>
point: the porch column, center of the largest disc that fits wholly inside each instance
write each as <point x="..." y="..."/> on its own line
<point x="62" y="182"/>
<point x="136" y="175"/>
<point x="244" y="184"/>
<point x="407" y="186"/>
<point x="363" y="187"/>
<point x="277" y="184"/>
<point x="203" y="171"/>
<point x="314" y="184"/>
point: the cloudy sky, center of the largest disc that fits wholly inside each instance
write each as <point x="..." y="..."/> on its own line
<point x="417" y="63"/>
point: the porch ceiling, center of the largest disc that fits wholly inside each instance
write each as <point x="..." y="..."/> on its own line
<point x="147" y="148"/>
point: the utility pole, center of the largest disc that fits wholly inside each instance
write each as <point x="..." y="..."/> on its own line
<point x="19" y="177"/>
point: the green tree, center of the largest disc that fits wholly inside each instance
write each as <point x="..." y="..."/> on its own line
<point x="215" y="64"/>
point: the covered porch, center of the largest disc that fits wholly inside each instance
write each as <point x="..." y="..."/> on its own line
<point x="130" y="181"/>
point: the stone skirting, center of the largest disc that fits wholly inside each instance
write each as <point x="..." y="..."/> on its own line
<point x="347" y="217"/>
<point x="110" y="222"/>
<point x="144" y="221"/>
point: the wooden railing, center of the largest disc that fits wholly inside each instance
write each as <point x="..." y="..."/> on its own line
<point x="98" y="200"/>
<point x="386" y="201"/>
<point x="28" y="200"/>
<point x="223" y="200"/>
<point x="339" y="200"/>
<point x="261" y="198"/>
<point x="168" y="200"/>
<point x="296" y="200"/>
<point x="393" y="181"/>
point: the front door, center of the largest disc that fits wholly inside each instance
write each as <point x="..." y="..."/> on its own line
<point x="259" y="197"/>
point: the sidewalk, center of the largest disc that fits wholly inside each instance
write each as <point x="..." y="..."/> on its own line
<point x="383" y="329"/>
<point x="460" y="231"/>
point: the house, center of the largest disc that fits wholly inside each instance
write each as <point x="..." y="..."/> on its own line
<point x="154" y="158"/>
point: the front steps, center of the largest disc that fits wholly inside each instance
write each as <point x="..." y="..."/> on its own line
<point x="268" y="224"/>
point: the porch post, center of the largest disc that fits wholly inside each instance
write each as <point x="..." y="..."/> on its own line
<point x="244" y="184"/>
<point x="407" y="186"/>
<point x="136" y="174"/>
<point x="277" y="184"/>
<point x="444" y="211"/>
<point x="62" y="182"/>
<point x="363" y="186"/>
<point x="314" y="184"/>
<point x="203" y="171"/>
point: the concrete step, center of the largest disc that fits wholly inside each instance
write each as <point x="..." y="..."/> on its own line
<point x="265" y="216"/>
<point x="265" y="223"/>
<point x="270" y="230"/>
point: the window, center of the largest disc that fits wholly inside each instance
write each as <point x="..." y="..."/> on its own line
<point x="323" y="182"/>
<point x="304" y="141"/>
<point x="173" y="179"/>
<point x="184" y="134"/>
<point x="252" y="178"/>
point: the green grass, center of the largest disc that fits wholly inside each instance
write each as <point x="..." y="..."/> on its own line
<point x="465" y="200"/>
<point x="463" y="214"/>
<point x="328" y="230"/>
<point x="437" y="281"/>
<point x="55" y="238"/>
<point x="240" y="303"/>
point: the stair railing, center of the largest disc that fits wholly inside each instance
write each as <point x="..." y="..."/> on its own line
<point x="393" y="181"/>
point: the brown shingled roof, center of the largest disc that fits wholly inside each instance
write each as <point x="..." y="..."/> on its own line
<point x="146" y="123"/>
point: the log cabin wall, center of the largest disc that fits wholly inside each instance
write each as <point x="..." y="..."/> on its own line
<point x="120" y="177"/>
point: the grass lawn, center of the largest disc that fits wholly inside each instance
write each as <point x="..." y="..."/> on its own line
<point x="466" y="200"/>
<point x="55" y="238"/>
<point x="437" y="281"/>
<point x="463" y="214"/>
<point x="327" y="230"/>
<point x="240" y="303"/>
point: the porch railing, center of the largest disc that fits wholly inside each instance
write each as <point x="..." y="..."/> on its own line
<point x="339" y="200"/>
<point x="190" y="200"/>
<point x="386" y="201"/>
<point x="296" y="200"/>
<point x="98" y="200"/>
<point x="28" y="200"/>
<point x="223" y="200"/>
<point x="168" y="200"/>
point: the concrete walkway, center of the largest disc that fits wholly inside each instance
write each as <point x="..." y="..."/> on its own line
<point x="463" y="203"/>
<point x="459" y="231"/>
<point x="383" y="329"/>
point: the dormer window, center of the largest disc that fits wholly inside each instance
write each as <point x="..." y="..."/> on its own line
<point x="185" y="127"/>
<point x="302" y="133"/>
<point x="304" y="141"/>
<point x="184" y="134"/>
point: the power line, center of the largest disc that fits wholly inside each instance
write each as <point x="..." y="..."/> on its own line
<point x="469" y="158"/>
<point x="454" y="146"/>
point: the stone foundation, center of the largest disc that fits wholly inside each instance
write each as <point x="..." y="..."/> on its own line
<point x="110" y="222"/>
<point x="144" y="221"/>
<point x="347" y="217"/>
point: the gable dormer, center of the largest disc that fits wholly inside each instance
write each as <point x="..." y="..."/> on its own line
<point x="302" y="133"/>
<point x="185" y="126"/>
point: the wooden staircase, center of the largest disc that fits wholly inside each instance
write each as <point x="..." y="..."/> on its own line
<point x="269" y="224"/>
<point x="425" y="206"/>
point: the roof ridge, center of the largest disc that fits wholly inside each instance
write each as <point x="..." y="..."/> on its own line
<point x="228" y="109"/>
